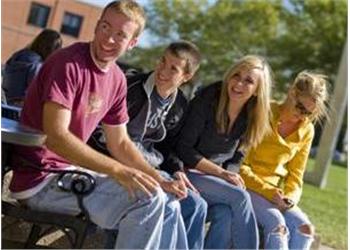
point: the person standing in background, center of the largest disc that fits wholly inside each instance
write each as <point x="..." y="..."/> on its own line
<point x="24" y="65"/>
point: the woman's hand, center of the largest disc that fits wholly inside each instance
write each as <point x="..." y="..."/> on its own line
<point x="281" y="201"/>
<point x="233" y="178"/>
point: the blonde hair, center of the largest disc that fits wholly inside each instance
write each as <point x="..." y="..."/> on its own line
<point x="313" y="85"/>
<point x="132" y="10"/>
<point x="258" y="106"/>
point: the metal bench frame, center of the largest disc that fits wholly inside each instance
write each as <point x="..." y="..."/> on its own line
<point x="74" y="227"/>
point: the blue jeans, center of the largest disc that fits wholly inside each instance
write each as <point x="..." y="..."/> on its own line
<point x="174" y="233"/>
<point x="194" y="213"/>
<point x="110" y="207"/>
<point x="230" y="213"/>
<point x="271" y="218"/>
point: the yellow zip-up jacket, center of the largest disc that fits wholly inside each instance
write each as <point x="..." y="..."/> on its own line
<point x="279" y="163"/>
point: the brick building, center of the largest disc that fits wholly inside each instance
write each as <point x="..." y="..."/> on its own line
<point x="22" y="20"/>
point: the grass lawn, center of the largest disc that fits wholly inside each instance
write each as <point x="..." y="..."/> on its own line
<point x="327" y="208"/>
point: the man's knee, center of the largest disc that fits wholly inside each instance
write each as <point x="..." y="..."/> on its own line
<point x="172" y="205"/>
<point x="307" y="229"/>
<point x="158" y="200"/>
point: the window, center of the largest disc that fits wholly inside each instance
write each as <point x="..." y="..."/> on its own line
<point x="71" y="24"/>
<point x="38" y="15"/>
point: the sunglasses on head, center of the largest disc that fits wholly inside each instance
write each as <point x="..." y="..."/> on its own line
<point x="301" y="108"/>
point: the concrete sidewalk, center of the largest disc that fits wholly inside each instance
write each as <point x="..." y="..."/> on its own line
<point x="14" y="232"/>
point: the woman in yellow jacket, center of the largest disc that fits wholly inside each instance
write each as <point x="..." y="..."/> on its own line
<point x="273" y="171"/>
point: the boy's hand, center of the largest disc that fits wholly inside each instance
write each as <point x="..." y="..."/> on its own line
<point x="175" y="187"/>
<point x="181" y="176"/>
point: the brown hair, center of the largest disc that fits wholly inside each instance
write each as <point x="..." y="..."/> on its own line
<point x="46" y="42"/>
<point x="187" y="51"/>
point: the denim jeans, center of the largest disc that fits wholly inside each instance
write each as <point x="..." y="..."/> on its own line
<point x="173" y="235"/>
<point x="192" y="219"/>
<point x="270" y="218"/>
<point x="194" y="213"/>
<point x="110" y="207"/>
<point x="230" y="213"/>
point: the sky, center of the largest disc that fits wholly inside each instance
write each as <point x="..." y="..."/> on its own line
<point x="102" y="3"/>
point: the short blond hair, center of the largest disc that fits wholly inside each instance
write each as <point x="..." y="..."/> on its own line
<point x="132" y="10"/>
<point x="315" y="86"/>
<point x="258" y="107"/>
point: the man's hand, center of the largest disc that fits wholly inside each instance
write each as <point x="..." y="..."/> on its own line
<point x="175" y="187"/>
<point x="233" y="178"/>
<point x="182" y="177"/>
<point x="134" y="180"/>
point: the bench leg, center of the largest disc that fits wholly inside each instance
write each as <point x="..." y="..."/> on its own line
<point x="111" y="238"/>
<point x="80" y="235"/>
<point x="33" y="237"/>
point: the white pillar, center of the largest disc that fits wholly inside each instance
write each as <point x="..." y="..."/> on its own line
<point x="331" y="130"/>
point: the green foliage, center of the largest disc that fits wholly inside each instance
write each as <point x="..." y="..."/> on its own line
<point x="292" y="34"/>
<point x="314" y="37"/>
<point x="327" y="208"/>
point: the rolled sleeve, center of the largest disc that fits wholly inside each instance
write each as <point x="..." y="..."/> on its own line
<point x="118" y="114"/>
<point x="60" y="85"/>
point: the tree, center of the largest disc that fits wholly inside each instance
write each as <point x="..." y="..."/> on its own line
<point x="293" y="35"/>
<point x="314" y="37"/>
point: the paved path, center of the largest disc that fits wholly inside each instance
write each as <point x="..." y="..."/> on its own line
<point x="14" y="231"/>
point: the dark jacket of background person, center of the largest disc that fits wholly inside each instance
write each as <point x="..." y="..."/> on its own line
<point x="23" y="65"/>
<point x="199" y="136"/>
